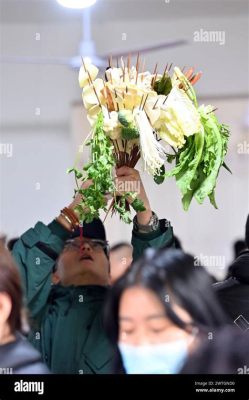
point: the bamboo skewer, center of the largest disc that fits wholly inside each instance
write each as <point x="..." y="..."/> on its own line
<point x="141" y="102"/>
<point x="155" y="104"/>
<point x="215" y="109"/>
<point x="128" y="61"/>
<point x="142" y="71"/>
<point x="116" y="99"/>
<point x="165" y="70"/>
<point x="109" y="209"/>
<point x="96" y="94"/>
<point x="155" y="69"/>
<point x="110" y="61"/>
<point x="145" y="100"/>
<point x="165" y="100"/>
<point x="91" y="82"/>
<point x="154" y="73"/>
<point x="170" y="67"/>
<point x="137" y="66"/>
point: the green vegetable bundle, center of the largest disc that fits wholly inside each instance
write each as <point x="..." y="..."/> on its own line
<point x="199" y="161"/>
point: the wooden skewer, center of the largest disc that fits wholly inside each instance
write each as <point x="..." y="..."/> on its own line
<point x="96" y="94"/>
<point x="106" y="102"/>
<point x="154" y="79"/>
<point x="170" y="67"/>
<point x="137" y="63"/>
<point x="123" y="95"/>
<point x="128" y="65"/>
<point x="155" y="69"/>
<point x="109" y="209"/>
<point x="154" y="73"/>
<point x="215" y="109"/>
<point x="155" y="105"/>
<point x="90" y="81"/>
<point x="110" y="63"/>
<point x="165" y="69"/>
<point x="137" y="66"/>
<point x="129" y="61"/>
<point x="111" y="78"/>
<point x="118" y="147"/>
<point x="165" y="99"/>
<point x="142" y="72"/>
<point x="145" y="100"/>
<point x="115" y="150"/>
<point x="143" y="66"/>
<point x="108" y="111"/>
<point x="116" y="99"/>
<point x="141" y="102"/>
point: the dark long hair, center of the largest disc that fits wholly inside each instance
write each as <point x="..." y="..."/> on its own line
<point x="227" y="353"/>
<point x="247" y="232"/>
<point x="170" y="274"/>
<point x="10" y="283"/>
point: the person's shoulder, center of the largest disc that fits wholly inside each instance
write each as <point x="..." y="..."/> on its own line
<point x="26" y="359"/>
<point x="36" y="368"/>
<point x="226" y="284"/>
<point x="242" y="257"/>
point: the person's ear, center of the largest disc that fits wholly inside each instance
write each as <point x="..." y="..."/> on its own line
<point x="55" y="278"/>
<point x="5" y="308"/>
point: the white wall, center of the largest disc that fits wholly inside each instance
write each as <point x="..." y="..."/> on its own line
<point x="34" y="184"/>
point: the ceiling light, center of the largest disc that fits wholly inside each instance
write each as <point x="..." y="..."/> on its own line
<point x="76" y="3"/>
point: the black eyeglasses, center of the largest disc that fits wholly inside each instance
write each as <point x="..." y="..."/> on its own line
<point x="95" y="244"/>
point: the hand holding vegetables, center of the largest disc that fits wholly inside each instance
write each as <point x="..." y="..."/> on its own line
<point x="128" y="179"/>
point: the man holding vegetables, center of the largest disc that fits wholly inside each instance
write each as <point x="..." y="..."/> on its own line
<point x="66" y="277"/>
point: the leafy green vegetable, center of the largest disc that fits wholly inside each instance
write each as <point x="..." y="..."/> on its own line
<point x="163" y="85"/>
<point x="121" y="208"/>
<point x="161" y="176"/>
<point x="138" y="205"/>
<point x="99" y="169"/>
<point x="129" y="129"/>
<point x="199" y="161"/>
<point x="129" y="133"/>
<point x="125" y="117"/>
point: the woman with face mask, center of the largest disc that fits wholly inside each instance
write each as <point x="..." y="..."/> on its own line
<point x="159" y="311"/>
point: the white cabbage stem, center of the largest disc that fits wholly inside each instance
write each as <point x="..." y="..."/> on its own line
<point x="151" y="149"/>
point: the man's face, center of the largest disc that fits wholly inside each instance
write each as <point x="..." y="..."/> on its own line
<point x="83" y="262"/>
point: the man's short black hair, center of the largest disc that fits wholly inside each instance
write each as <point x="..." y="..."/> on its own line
<point x="92" y="230"/>
<point x="238" y="247"/>
<point x="120" y="245"/>
<point x="247" y="232"/>
<point x="11" y="243"/>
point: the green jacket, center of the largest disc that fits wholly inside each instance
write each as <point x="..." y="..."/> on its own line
<point x="67" y="321"/>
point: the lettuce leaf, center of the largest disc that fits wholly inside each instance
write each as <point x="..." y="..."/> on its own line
<point x="199" y="161"/>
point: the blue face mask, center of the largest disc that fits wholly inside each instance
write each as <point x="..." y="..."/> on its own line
<point x="163" y="358"/>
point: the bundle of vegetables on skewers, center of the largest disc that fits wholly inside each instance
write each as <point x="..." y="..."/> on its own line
<point x="154" y="117"/>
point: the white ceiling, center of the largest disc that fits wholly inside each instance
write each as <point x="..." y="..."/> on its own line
<point x="32" y="11"/>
